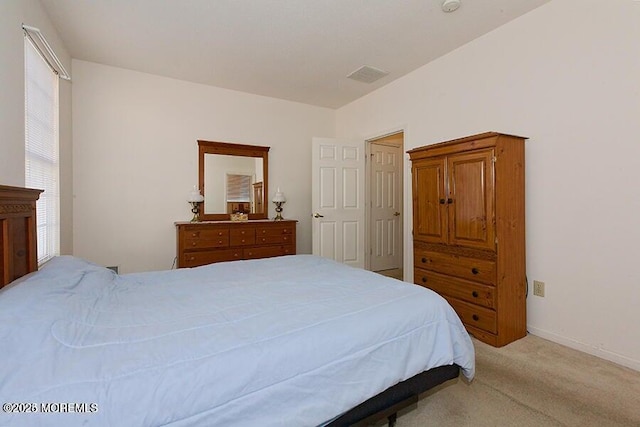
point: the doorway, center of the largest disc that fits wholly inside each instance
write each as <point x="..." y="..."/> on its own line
<point x="385" y="204"/>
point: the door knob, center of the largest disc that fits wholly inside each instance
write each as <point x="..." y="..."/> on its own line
<point x="317" y="215"/>
<point x="396" y="214"/>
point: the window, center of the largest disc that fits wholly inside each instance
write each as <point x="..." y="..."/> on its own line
<point x="238" y="188"/>
<point x="41" y="147"/>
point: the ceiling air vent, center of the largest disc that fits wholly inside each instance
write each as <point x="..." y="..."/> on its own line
<point x="366" y="74"/>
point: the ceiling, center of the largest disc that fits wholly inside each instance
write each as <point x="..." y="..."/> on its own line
<point x="298" y="50"/>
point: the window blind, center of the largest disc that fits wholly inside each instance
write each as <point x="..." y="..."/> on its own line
<point x="41" y="148"/>
<point x="238" y="188"/>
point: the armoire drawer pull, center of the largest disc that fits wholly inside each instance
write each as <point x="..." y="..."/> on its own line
<point x="474" y="294"/>
<point x="424" y="260"/>
<point x="475" y="317"/>
<point x="424" y="280"/>
<point x="442" y="201"/>
<point x="475" y="270"/>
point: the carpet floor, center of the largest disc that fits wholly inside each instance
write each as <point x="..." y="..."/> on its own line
<point x="532" y="383"/>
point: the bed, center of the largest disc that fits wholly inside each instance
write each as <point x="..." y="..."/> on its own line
<point x="287" y="341"/>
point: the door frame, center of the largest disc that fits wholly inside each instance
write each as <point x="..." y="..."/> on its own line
<point x="406" y="210"/>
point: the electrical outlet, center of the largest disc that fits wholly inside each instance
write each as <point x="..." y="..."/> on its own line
<point x="538" y="288"/>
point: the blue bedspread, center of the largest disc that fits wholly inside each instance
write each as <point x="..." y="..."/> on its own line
<point x="288" y="341"/>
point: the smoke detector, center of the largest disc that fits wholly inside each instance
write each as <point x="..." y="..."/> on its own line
<point x="450" y="5"/>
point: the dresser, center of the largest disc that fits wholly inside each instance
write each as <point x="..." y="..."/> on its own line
<point x="200" y="243"/>
<point x="469" y="231"/>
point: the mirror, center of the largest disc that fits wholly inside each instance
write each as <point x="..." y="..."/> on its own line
<point x="233" y="179"/>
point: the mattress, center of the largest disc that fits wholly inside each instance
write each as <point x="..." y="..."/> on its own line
<point x="293" y="340"/>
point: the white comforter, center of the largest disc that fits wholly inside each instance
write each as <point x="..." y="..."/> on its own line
<point x="289" y="341"/>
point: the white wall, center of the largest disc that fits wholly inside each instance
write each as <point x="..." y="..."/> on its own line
<point x="136" y="158"/>
<point x="13" y="13"/>
<point x="566" y="75"/>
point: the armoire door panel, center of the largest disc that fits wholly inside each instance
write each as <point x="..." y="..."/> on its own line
<point x="429" y="202"/>
<point x="471" y="198"/>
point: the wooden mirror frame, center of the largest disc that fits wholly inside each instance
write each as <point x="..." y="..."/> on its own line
<point x="229" y="149"/>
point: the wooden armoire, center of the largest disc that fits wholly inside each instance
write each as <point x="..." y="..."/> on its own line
<point x="469" y="231"/>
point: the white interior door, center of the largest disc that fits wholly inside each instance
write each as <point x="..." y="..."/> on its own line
<point x="338" y="200"/>
<point x="386" y="213"/>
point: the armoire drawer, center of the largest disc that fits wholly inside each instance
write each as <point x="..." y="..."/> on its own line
<point x="478" y="270"/>
<point x="474" y="315"/>
<point x="475" y="293"/>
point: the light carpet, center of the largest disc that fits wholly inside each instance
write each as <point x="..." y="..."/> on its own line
<point x="533" y="382"/>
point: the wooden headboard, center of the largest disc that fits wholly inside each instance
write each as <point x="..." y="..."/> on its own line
<point x="18" y="239"/>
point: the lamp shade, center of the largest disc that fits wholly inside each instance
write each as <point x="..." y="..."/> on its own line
<point x="195" y="196"/>
<point x="279" y="197"/>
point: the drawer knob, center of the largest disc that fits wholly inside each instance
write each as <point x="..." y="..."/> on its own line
<point x="475" y="270"/>
<point x="193" y="243"/>
<point x="475" y="317"/>
<point x="219" y="242"/>
<point x="474" y="294"/>
<point x="192" y="258"/>
<point x="442" y="201"/>
<point x="424" y="260"/>
<point x="194" y="234"/>
<point x="424" y="280"/>
<point x="285" y="238"/>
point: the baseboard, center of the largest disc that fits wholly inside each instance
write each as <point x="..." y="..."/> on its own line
<point x="585" y="348"/>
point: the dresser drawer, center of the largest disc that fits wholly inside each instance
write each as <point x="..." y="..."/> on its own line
<point x="200" y="239"/>
<point x="266" y="251"/>
<point x="472" y="292"/>
<point x="278" y="238"/>
<point x="478" y="270"/>
<point x="218" y="241"/>
<point x="242" y="237"/>
<point x="193" y="259"/>
<point x="277" y="230"/>
<point x="474" y="315"/>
